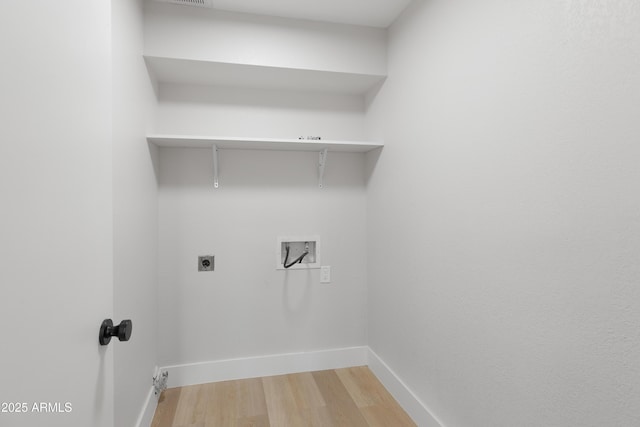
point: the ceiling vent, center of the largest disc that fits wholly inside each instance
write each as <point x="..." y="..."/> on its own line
<point x="198" y="3"/>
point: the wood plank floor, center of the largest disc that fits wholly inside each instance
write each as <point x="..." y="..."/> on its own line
<point x="350" y="397"/>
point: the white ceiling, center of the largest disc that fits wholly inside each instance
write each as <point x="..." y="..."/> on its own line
<point x="374" y="13"/>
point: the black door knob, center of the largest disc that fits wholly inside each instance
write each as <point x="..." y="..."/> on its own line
<point x="107" y="330"/>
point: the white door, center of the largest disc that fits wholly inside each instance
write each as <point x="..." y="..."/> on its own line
<point x="55" y="213"/>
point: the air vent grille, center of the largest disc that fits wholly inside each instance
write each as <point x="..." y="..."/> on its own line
<point x="197" y="3"/>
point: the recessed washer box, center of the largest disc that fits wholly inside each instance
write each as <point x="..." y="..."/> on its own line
<point x="297" y="246"/>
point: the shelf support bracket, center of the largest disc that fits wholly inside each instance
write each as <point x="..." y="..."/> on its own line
<point x="322" y="162"/>
<point x="215" y="165"/>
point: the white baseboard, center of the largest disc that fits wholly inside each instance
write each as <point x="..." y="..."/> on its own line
<point x="417" y="410"/>
<point x="148" y="410"/>
<point x="264" y="366"/>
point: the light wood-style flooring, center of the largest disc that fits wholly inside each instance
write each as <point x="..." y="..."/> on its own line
<point x="350" y="397"/>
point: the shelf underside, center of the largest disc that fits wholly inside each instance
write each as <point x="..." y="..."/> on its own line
<point x="195" y="72"/>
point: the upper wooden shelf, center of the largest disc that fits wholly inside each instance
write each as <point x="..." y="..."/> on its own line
<point x="189" y="71"/>
<point x="238" y="143"/>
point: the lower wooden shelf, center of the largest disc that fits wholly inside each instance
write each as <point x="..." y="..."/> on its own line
<point x="241" y="143"/>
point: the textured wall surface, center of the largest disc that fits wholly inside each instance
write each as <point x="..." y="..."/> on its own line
<point x="504" y="212"/>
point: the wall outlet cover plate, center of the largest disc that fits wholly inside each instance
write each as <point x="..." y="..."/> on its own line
<point x="325" y="274"/>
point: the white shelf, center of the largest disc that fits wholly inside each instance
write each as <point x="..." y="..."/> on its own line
<point x="188" y="71"/>
<point x="238" y="143"/>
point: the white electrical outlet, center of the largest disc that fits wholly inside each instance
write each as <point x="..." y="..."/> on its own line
<point x="325" y="274"/>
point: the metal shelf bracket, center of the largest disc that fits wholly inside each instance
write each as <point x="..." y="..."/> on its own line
<point x="322" y="162"/>
<point x="215" y="166"/>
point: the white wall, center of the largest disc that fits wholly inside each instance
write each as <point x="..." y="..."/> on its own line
<point x="135" y="214"/>
<point x="504" y="212"/>
<point x="218" y="110"/>
<point x="56" y="211"/>
<point x="197" y="33"/>
<point x="247" y="307"/>
<point x="205" y="34"/>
